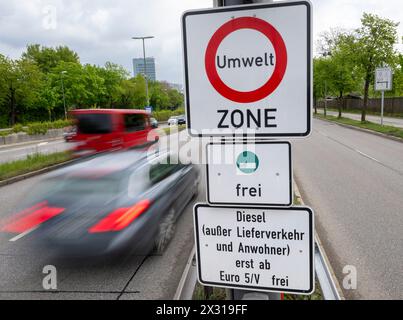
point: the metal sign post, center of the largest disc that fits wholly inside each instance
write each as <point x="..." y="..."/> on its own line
<point x="383" y="82"/>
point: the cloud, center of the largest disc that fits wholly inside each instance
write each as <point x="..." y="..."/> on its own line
<point x="101" y="30"/>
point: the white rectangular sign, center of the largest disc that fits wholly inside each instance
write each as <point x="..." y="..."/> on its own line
<point x="383" y="79"/>
<point x="266" y="249"/>
<point x="248" y="70"/>
<point x="257" y="173"/>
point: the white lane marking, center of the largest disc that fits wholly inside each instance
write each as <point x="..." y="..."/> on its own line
<point x="365" y="155"/>
<point x="22" y="234"/>
<point x="31" y="146"/>
<point x="42" y="144"/>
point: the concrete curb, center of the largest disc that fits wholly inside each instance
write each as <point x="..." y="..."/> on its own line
<point x="379" y="134"/>
<point x="23" y="137"/>
<point x="35" y="173"/>
<point x="319" y="243"/>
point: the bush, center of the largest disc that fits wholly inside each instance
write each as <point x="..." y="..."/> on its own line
<point x="18" y="128"/>
<point x="164" y="115"/>
<point x="43" y="127"/>
<point x="37" y="128"/>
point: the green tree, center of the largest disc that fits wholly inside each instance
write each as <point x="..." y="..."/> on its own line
<point x="345" y="75"/>
<point x="21" y="81"/>
<point x="176" y="99"/>
<point x="322" y="80"/>
<point x="48" y="58"/>
<point x="113" y="75"/>
<point x="373" y="47"/>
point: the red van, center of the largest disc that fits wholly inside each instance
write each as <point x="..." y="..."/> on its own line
<point x="101" y="130"/>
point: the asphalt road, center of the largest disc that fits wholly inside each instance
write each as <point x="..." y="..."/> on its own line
<point x="354" y="182"/>
<point x="135" y="277"/>
<point x="396" y="122"/>
<point x="20" y="151"/>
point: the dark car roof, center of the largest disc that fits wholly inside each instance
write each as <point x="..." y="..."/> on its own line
<point x="106" y="164"/>
<point x="121" y="111"/>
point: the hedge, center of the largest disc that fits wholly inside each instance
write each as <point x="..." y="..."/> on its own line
<point x="164" y="115"/>
<point x="36" y="127"/>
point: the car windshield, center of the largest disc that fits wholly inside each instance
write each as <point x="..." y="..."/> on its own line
<point x="68" y="187"/>
<point x="94" y="123"/>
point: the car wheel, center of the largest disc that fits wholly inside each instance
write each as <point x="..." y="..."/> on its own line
<point x="165" y="233"/>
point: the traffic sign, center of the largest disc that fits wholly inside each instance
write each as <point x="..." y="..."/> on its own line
<point x="248" y="70"/>
<point x="264" y="249"/>
<point x="256" y="173"/>
<point x="383" y="79"/>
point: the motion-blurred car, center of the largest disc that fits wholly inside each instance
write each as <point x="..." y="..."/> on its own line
<point x="69" y="133"/>
<point x="173" y="121"/>
<point x="118" y="202"/>
<point x="100" y="130"/>
<point x="181" y="119"/>
<point x="154" y="123"/>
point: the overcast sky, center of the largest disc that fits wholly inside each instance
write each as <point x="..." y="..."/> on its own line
<point x="101" y="30"/>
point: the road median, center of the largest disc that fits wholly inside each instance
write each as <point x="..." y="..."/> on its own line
<point x="34" y="164"/>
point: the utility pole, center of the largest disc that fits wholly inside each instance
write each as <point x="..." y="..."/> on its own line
<point x="382" y="104"/>
<point x="325" y="98"/>
<point x="64" y="98"/>
<point x="235" y="294"/>
<point x="145" y="63"/>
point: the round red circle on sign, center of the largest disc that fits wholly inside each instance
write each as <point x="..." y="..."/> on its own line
<point x="279" y="48"/>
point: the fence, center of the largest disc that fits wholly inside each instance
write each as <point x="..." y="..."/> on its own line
<point x="392" y="105"/>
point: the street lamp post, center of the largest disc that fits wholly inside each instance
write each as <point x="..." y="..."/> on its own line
<point x="64" y="98"/>
<point x="145" y="63"/>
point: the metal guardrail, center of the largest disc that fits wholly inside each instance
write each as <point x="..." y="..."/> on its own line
<point x="188" y="280"/>
<point x="324" y="275"/>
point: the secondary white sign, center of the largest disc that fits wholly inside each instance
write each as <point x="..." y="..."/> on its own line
<point x="383" y="79"/>
<point x="266" y="249"/>
<point x="257" y="173"/>
<point x="248" y="70"/>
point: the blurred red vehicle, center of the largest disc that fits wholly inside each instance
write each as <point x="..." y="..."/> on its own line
<point x="100" y="130"/>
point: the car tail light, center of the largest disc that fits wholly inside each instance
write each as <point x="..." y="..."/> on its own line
<point x="30" y="218"/>
<point x="120" y="218"/>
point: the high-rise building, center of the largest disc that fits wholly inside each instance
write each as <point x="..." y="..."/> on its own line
<point x="138" y="67"/>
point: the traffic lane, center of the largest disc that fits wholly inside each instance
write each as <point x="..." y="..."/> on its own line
<point x="385" y="151"/>
<point x="396" y="122"/>
<point x="12" y="153"/>
<point x="358" y="207"/>
<point x="21" y="265"/>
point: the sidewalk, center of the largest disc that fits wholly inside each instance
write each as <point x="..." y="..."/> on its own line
<point x="395" y="122"/>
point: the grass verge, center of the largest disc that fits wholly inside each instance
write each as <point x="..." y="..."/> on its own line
<point x="179" y="128"/>
<point x="368" y="112"/>
<point x="33" y="162"/>
<point x="208" y="293"/>
<point x="388" y="130"/>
